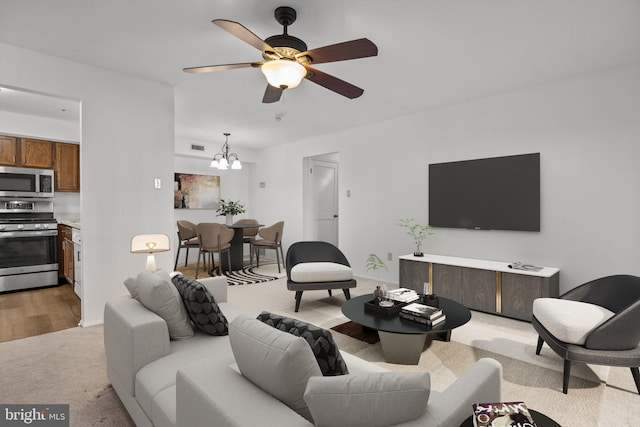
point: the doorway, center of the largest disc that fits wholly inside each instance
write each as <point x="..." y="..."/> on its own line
<point x="47" y="117"/>
<point x="321" y="220"/>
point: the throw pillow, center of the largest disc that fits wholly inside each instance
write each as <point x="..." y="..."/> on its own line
<point x="277" y="362"/>
<point x="132" y="286"/>
<point x="320" y="340"/>
<point x="201" y="306"/>
<point x="155" y="291"/>
<point x="372" y="399"/>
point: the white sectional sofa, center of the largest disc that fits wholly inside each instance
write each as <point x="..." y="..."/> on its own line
<point x="197" y="381"/>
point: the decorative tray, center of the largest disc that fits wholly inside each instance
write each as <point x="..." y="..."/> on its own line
<point x="389" y="311"/>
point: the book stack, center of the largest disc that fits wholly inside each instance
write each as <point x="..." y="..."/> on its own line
<point x="403" y="295"/>
<point x="502" y="414"/>
<point x="424" y="314"/>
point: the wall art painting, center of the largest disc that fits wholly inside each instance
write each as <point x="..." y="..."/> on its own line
<point x="191" y="191"/>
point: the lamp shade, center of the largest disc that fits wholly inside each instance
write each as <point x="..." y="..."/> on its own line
<point x="283" y="73"/>
<point x="150" y="243"/>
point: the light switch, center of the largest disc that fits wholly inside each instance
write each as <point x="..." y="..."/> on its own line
<point x="348" y="193"/>
<point x="157" y="183"/>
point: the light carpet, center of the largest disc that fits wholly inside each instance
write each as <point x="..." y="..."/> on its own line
<point x="64" y="367"/>
<point x="69" y="367"/>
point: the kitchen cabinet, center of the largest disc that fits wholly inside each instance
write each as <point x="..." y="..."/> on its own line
<point x="36" y="153"/>
<point x="62" y="157"/>
<point x="67" y="167"/>
<point x="487" y="286"/>
<point x="65" y="256"/>
<point x="8" y="150"/>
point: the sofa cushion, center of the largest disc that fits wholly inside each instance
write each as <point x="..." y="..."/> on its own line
<point x="569" y="321"/>
<point x="320" y="340"/>
<point x="201" y="306"/>
<point x="374" y="399"/>
<point x="277" y="362"/>
<point x="309" y="272"/>
<point x="155" y="291"/>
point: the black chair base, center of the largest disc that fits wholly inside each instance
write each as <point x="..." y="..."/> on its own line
<point x="298" y="296"/>
<point x="557" y="346"/>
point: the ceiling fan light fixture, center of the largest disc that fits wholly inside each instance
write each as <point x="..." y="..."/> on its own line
<point x="283" y="73"/>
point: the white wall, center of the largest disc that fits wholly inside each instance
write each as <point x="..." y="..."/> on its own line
<point x="39" y="127"/>
<point x="587" y="132"/>
<point x="127" y="140"/>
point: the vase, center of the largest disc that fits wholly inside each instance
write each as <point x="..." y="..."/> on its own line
<point x="377" y="295"/>
<point x="229" y="220"/>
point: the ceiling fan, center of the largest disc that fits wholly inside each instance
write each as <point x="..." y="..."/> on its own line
<point x="287" y="60"/>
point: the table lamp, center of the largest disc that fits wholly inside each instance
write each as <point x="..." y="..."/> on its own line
<point x="150" y="243"/>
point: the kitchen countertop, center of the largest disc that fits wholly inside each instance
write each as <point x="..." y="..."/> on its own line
<point x="75" y="223"/>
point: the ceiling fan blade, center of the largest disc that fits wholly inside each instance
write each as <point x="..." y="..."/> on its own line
<point x="333" y="83"/>
<point x="243" y="33"/>
<point x="360" y="48"/>
<point x="271" y="94"/>
<point x="209" y="68"/>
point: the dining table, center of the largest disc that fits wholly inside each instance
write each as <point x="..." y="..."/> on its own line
<point x="237" y="247"/>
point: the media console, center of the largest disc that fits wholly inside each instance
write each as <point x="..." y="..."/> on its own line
<point x="487" y="286"/>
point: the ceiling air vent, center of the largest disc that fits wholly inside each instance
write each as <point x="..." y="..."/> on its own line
<point x="197" y="147"/>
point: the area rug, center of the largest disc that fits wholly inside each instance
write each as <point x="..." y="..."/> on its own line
<point x="248" y="275"/>
<point x="522" y="381"/>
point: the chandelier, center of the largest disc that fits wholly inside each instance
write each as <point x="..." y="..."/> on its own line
<point x="224" y="159"/>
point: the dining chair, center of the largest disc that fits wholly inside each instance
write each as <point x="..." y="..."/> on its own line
<point x="271" y="238"/>
<point x="187" y="238"/>
<point x="214" y="237"/>
<point x="248" y="234"/>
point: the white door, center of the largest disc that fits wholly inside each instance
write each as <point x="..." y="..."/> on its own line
<point x="324" y="190"/>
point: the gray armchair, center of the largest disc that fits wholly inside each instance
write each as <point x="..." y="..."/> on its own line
<point x="614" y="342"/>
<point x="317" y="265"/>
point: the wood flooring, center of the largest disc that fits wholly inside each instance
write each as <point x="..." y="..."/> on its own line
<point x="39" y="311"/>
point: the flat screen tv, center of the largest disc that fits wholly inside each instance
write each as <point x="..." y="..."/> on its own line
<point x="499" y="193"/>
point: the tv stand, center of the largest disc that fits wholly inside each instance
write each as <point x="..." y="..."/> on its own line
<point x="488" y="286"/>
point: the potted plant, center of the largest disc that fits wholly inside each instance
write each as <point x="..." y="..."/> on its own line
<point x="229" y="208"/>
<point x="374" y="263"/>
<point x="417" y="232"/>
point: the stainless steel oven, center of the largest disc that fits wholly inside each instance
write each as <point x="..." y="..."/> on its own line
<point x="28" y="244"/>
<point x="26" y="182"/>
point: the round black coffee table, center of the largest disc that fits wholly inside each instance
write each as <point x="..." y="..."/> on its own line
<point x="540" y="419"/>
<point x="403" y="340"/>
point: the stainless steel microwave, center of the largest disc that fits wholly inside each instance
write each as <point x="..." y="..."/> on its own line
<point x="25" y="182"/>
